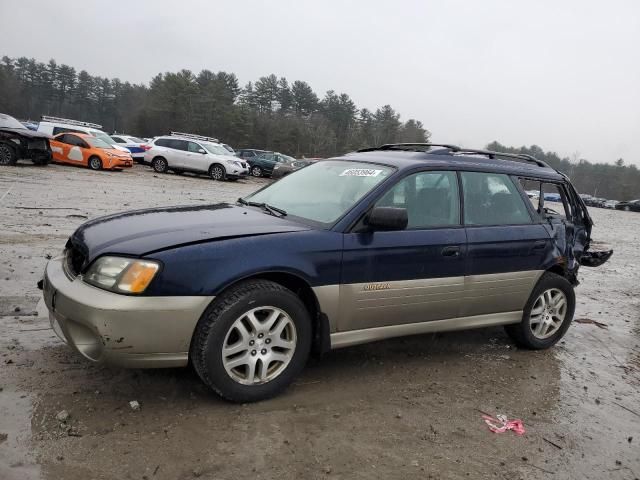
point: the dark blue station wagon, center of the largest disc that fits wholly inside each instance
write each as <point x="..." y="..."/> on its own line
<point x="397" y="240"/>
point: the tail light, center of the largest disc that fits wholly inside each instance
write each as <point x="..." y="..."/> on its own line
<point x="145" y="147"/>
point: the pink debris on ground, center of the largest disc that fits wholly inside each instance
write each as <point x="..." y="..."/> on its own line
<point x="501" y="424"/>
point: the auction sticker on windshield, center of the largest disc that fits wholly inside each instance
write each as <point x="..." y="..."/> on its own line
<point x="360" y="172"/>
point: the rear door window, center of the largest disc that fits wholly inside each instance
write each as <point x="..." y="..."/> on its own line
<point x="178" y="144"/>
<point x="492" y="199"/>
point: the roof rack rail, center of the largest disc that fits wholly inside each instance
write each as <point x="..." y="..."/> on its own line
<point x="454" y="149"/>
<point x="491" y="154"/>
<point x="194" y="137"/>
<point x="69" y="121"/>
<point x="401" y="146"/>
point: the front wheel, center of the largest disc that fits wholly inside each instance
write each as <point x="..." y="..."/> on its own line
<point x="95" y="163"/>
<point x="217" y="172"/>
<point x="256" y="171"/>
<point x="252" y="341"/>
<point x="627" y="209"/>
<point x="547" y="314"/>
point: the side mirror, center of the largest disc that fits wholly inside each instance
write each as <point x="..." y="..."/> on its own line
<point x="388" y="218"/>
<point x="202" y="150"/>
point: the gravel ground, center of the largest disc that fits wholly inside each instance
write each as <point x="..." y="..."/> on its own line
<point x="402" y="408"/>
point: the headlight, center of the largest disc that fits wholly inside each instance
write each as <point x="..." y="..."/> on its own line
<point x="276" y="166"/>
<point x="121" y="275"/>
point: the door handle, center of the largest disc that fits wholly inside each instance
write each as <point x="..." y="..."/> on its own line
<point x="539" y="245"/>
<point x="453" y="251"/>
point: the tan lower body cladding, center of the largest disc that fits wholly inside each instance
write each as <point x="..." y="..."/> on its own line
<point x="362" y="312"/>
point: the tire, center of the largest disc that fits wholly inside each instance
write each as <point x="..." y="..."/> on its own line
<point x="95" y="163"/>
<point x="249" y="380"/>
<point x="8" y="155"/>
<point x="256" y="171"/>
<point x="160" y="165"/>
<point x="627" y="209"/>
<point x="217" y="172"/>
<point x="545" y="319"/>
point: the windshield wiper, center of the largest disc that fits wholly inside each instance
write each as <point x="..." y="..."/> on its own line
<point x="275" y="211"/>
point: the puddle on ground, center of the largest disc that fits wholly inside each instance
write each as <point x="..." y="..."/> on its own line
<point x="16" y="461"/>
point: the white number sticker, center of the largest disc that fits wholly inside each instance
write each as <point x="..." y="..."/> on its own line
<point x="360" y="172"/>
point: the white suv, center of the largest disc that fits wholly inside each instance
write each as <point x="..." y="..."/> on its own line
<point x="183" y="152"/>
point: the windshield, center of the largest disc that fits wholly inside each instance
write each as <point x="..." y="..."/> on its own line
<point x="97" y="142"/>
<point x="217" y="149"/>
<point x="287" y="158"/>
<point x="324" y="191"/>
<point x="9" y="122"/>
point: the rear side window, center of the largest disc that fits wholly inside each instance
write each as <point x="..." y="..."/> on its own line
<point x="430" y="198"/>
<point x="492" y="199"/>
<point x="548" y="199"/>
<point x="162" y="142"/>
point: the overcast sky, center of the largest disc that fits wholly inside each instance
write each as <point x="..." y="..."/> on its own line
<point x="561" y="74"/>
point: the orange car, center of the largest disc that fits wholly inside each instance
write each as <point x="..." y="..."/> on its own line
<point x="88" y="151"/>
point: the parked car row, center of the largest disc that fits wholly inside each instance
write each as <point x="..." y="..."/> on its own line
<point x="600" y="202"/>
<point x="74" y="142"/>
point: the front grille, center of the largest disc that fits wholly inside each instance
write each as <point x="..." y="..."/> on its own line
<point x="74" y="260"/>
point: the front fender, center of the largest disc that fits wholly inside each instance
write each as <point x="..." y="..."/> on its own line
<point x="208" y="268"/>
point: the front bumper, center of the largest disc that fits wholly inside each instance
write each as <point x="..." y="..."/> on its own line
<point x="120" y="163"/>
<point x="125" y="330"/>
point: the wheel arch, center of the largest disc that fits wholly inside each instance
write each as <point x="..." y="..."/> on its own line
<point x="300" y="286"/>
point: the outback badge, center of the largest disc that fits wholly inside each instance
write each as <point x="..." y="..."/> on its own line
<point x="376" y="286"/>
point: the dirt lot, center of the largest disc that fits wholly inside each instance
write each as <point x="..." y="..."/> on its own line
<point x="403" y="408"/>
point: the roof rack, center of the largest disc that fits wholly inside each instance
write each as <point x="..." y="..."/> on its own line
<point x="68" y="121"/>
<point x="456" y="150"/>
<point x="202" y="138"/>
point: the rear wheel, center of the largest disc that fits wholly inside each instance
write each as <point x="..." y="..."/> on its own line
<point x="256" y="171"/>
<point x="8" y="155"/>
<point x="217" y="172"/>
<point x="95" y="163"/>
<point x="547" y="314"/>
<point x="160" y="165"/>
<point x="252" y="341"/>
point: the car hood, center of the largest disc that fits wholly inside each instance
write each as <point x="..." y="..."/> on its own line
<point x="141" y="232"/>
<point x="25" y="132"/>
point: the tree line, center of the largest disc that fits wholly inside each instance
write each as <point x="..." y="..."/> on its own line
<point x="615" y="181"/>
<point x="270" y="113"/>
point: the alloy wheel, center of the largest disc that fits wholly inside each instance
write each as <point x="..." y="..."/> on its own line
<point x="259" y="345"/>
<point x="5" y="155"/>
<point x="217" y="173"/>
<point x="256" y="171"/>
<point x="95" y="163"/>
<point x="548" y="313"/>
<point x="160" y="165"/>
